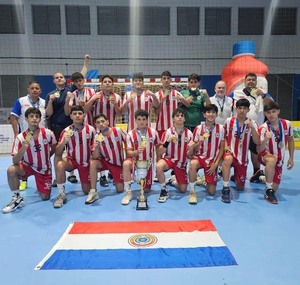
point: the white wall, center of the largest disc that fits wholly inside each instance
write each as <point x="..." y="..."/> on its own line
<point x="44" y="54"/>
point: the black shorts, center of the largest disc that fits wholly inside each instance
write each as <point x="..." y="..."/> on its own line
<point x="252" y="146"/>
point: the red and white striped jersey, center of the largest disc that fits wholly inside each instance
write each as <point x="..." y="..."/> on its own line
<point x="164" y="118"/>
<point x="134" y="139"/>
<point x="177" y="149"/>
<point x="273" y="145"/>
<point x="111" y="148"/>
<point x="143" y="101"/>
<point x="85" y="96"/>
<point x="210" y="147"/>
<point x="238" y="146"/>
<point x="79" y="146"/>
<point x="37" y="154"/>
<point x="104" y="106"/>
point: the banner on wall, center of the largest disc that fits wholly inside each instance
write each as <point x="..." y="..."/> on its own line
<point x="6" y="139"/>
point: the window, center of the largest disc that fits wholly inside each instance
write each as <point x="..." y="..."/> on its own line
<point x="116" y="21"/>
<point x="217" y="21"/>
<point x="188" y="21"/>
<point x="251" y="21"/>
<point x="46" y="19"/>
<point x="12" y="19"/>
<point x="284" y="21"/>
<point x="78" y="20"/>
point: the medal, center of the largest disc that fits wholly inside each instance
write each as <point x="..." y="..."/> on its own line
<point x="56" y="94"/>
<point x="240" y="143"/>
<point x="70" y="132"/>
<point x="29" y="136"/>
<point x="174" y="140"/>
<point x="100" y="138"/>
<point x="281" y="145"/>
<point x="143" y="143"/>
<point x="206" y="135"/>
<point x="166" y="92"/>
<point x="133" y="94"/>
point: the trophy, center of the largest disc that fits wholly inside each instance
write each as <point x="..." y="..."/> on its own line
<point x="141" y="172"/>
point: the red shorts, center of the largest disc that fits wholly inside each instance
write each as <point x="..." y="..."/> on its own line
<point x="278" y="169"/>
<point x="181" y="175"/>
<point x="240" y="172"/>
<point x="210" y="179"/>
<point x="84" y="171"/>
<point x="115" y="170"/>
<point x="43" y="182"/>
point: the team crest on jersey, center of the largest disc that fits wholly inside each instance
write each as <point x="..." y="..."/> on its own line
<point x="186" y="139"/>
<point x="45" y="141"/>
<point x="198" y="97"/>
<point x="88" y="136"/>
<point x="217" y="135"/>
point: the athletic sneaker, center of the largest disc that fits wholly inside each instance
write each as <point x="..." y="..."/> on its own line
<point x="60" y="200"/>
<point x="164" y="195"/>
<point x="226" y="195"/>
<point x="23" y="185"/>
<point x="92" y="196"/>
<point x="16" y="202"/>
<point x="256" y="175"/>
<point x="193" y="197"/>
<point x="127" y="198"/>
<point x="270" y="196"/>
<point x="200" y="181"/>
<point x="155" y="179"/>
<point x="103" y="181"/>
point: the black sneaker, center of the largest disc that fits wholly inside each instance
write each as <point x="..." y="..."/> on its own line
<point x="103" y="181"/>
<point x="255" y="177"/>
<point x="270" y="196"/>
<point x="109" y="176"/>
<point x="164" y="195"/>
<point x="16" y="202"/>
<point x="226" y="195"/>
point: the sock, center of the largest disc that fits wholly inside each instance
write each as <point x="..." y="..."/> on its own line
<point x="127" y="186"/>
<point x="269" y="185"/>
<point x="61" y="188"/>
<point x="225" y="183"/>
<point x="192" y="186"/>
<point x="102" y="173"/>
<point x="163" y="185"/>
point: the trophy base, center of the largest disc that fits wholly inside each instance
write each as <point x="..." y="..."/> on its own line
<point x="142" y="205"/>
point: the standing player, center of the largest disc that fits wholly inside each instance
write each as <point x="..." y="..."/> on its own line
<point x="107" y="154"/>
<point x="138" y="99"/>
<point x="208" y="147"/>
<point x="238" y="131"/>
<point x="31" y="153"/>
<point x="175" y="143"/>
<point x="275" y="135"/>
<point x="140" y="145"/>
<point x="77" y="139"/>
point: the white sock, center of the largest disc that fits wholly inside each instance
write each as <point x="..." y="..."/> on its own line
<point x="192" y="186"/>
<point x="127" y="186"/>
<point x="225" y="183"/>
<point x="61" y="188"/>
<point x="269" y="185"/>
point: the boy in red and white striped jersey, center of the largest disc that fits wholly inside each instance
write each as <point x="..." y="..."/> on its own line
<point x="107" y="154"/>
<point x="174" y="154"/>
<point x="138" y="99"/>
<point x="238" y="131"/>
<point x="141" y="143"/>
<point x="275" y="134"/>
<point x="31" y="154"/>
<point x="208" y="148"/>
<point x="78" y="139"/>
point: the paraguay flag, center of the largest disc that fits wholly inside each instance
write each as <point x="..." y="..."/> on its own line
<point x="143" y="244"/>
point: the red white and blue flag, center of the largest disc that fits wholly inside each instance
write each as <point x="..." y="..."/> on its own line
<point x="144" y="244"/>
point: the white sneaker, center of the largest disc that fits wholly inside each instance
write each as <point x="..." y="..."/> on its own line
<point x="127" y="198"/>
<point x="92" y="196"/>
<point x="16" y="202"/>
<point x="193" y="197"/>
<point x="60" y="200"/>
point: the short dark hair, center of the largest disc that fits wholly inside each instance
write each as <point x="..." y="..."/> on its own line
<point x="194" y="76"/>
<point x="34" y="82"/>
<point x="33" y="110"/>
<point x="271" y="105"/>
<point x="138" y="75"/>
<point x="141" y="113"/>
<point x="178" y="111"/>
<point x="251" y="74"/>
<point x="210" y="107"/>
<point x="242" y="103"/>
<point x="166" y="73"/>
<point x="76" y="75"/>
<point x="107" y="76"/>
<point x="99" y="116"/>
<point x="75" y="108"/>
